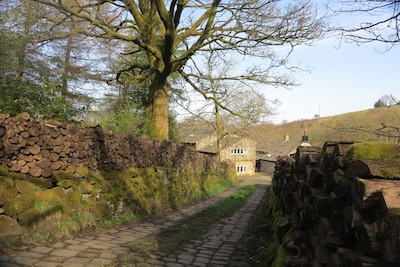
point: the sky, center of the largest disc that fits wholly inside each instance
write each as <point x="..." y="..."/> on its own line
<point x="344" y="77"/>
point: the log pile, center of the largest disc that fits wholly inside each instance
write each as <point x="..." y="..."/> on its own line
<point x="39" y="147"/>
<point x="338" y="211"/>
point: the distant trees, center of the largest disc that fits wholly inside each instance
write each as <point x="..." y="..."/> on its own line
<point x="386" y="101"/>
<point x="47" y="67"/>
<point x="25" y="81"/>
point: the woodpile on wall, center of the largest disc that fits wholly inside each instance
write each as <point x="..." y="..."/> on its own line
<point x="339" y="210"/>
<point x="38" y="148"/>
<point x="54" y="174"/>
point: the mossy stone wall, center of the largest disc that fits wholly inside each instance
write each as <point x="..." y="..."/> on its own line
<point x="99" y="176"/>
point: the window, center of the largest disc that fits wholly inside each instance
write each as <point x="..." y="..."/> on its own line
<point x="238" y="151"/>
<point x="241" y="169"/>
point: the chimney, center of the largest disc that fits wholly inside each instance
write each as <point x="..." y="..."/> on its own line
<point x="304" y="138"/>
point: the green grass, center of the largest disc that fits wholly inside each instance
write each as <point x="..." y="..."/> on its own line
<point x="357" y="126"/>
<point x="375" y="150"/>
<point x="119" y="220"/>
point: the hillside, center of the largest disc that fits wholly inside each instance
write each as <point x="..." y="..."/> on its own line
<point x="357" y="126"/>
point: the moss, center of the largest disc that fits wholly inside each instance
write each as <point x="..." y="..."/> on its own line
<point x="86" y="186"/>
<point x="66" y="174"/>
<point x="271" y="252"/>
<point x="25" y="186"/>
<point x="280" y="258"/>
<point x="29" y="216"/>
<point x="83" y="172"/>
<point x="7" y="191"/>
<point x="17" y="205"/>
<point x="339" y="179"/>
<point x="4" y="170"/>
<point x="387" y="174"/>
<point x="7" y="181"/>
<point x="374" y="150"/>
<point x="84" y="197"/>
<point x="14" y="175"/>
<point x="66" y="183"/>
<point x="275" y="254"/>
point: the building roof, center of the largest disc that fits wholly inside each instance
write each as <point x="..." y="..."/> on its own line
<point x="271" y="149"/>
<point x="192" y="136"/>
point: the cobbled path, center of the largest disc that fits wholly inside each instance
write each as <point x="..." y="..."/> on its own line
<point x="217" y="248"/>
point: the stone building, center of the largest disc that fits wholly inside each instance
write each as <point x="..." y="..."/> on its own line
<point x="239" y="150"/>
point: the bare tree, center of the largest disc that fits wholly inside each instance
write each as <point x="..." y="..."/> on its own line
<point x="171" y="32"/>
<point x="388" y="100"/>
<point x="227" y="106"/>
<point x="380" y="20"/>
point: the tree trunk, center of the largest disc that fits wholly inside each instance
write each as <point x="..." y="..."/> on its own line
<point x="159" y="109"/>
<point x="67" y="59"/>
<point x="218" y="129"/>
<point x="21" y="52"/>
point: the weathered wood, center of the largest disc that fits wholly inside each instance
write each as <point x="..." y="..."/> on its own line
<point x="56" y="165"/>
<point x="36" y="143"/>
<point x="358" y="168"/>
<point x="54" y="157"/>
<point x="35" y="149"/>
<point x="47" y="172"/>
<point x="24" y="169"/>
<point x="389" y="197"/>
<point x="44" y="163"/>
<point x="15" y="167"/>
<point x="35" y="171"/>
<point x="350" y="209"/>
<point x="35" y="131"/>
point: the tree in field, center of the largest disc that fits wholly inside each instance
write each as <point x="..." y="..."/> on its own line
<point x="381" y="20"/>
<point x="170" y="33"/>
<point x="379" y="104"/>
<point x="385" y="101"/>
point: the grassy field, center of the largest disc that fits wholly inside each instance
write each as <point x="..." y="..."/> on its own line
<point x="360" y="126"/>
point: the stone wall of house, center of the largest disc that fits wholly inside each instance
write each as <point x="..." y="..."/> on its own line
<point x="332" y="210"/>
<point x="56" y="178"/>
<point x="243" y="154"/>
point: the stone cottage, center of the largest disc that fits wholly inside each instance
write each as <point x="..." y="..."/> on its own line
<point x="239" y="150"/>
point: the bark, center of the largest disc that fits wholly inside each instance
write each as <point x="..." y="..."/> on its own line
<point x="21" y="53"/>
<point x="159" y="109"/>
<point x="67" y="59"/>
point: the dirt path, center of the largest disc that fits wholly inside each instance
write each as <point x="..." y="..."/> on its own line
<point x="222" y="246"/>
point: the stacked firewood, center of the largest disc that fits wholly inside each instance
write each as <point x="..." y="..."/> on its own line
<point x="337" y="212"/>
<point x="39" y="147"/>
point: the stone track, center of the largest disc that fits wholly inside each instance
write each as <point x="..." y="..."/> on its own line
<point x="219" y="247"/>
